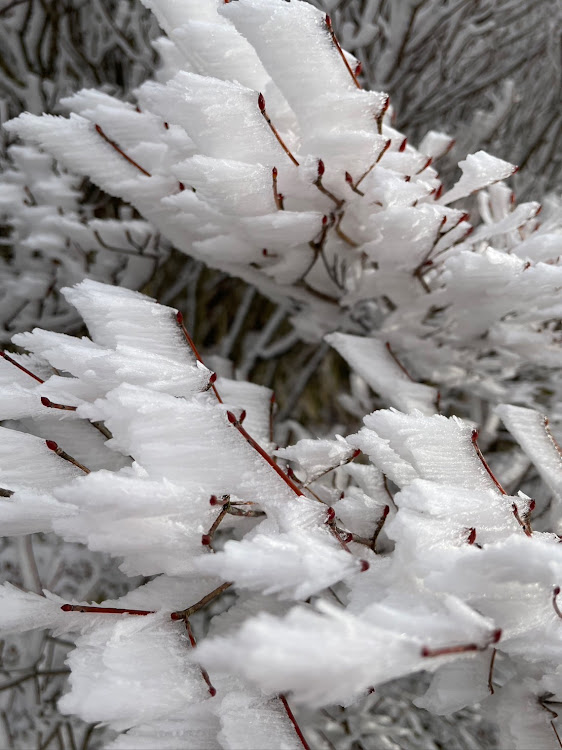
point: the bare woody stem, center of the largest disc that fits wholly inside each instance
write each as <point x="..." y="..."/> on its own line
<point x="464" y="648"/>
<point x="52" y="446"/>
<point x="120" y="151"/>
<point x="51" y="404"/>
<point x="207" y="599"/>
<point x="293" y="721"/>
<point x="233" y="421"/>
<point x="474" y="438"/>
<point x="491" y="671"/>
<point x="261" y="105"/>
<point x="204" y="673"/>
<point x="191" y="343"/>
<point x="395" y="358"/>
<point x="341" y="52"/>
<point x="318" y="183"/>
<point x="20" y="367"/>
<point x="207" y="538"/>
<point x="380" y="524"/>
<point x="551" y="436"/>
<point x="374" y="164"/>
<point x="6" y="493"/>
<point x="277" y="196"/>
<point x="104" y="610"/>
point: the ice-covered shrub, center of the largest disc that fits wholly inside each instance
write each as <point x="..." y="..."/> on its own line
<point x="51" y="238"/>
<point x="487" y="72"/>
<point x="376" y="556"/>
<point x="271" y="163"/>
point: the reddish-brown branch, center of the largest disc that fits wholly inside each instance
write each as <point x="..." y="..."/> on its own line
<point x="491" y="671"/>
<point x="52" y="446"/>
<point x="261" y="105"/>
<point x="525" y="525"/>
<point x="204" y="673"/>
<point x="191" y="343"/>
<point x="318" y="183"/>
<point x="551" y="437"/>
<point x="374" y="164"/>
<point x="277" y="196"/>
<point x="474" y="438"/>
<point x="211" y="596"/>
<point x="233" y="421"/>
<point x="51" y="404"/>
<point x="207" y="538"/>
<point x="104" y="610"/>
<point x="20" y="367"/>
<point x="341" y="52"/>
<point x="464" y="648"/>
<point x="121" y="152"/>
<point x="395" y="358"/>
<point x="294" y="722"/>
<point x="378" y="529"/>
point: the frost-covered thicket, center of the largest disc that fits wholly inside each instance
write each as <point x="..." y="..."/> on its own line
<point x="325" y="584"/>
<point x="53" y="238"/>
<point x="489" y="72"/>
<point x="264" y="578"/>
<point x="272" y="164"/>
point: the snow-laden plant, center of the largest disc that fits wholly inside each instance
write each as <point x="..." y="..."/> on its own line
<point x="267" y="160"/>
<point x="51" y="238"/>
<point x="488" y="72"/>
<point x="318" y="584"/>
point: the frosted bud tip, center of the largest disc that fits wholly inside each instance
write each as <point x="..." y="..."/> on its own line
<point x="67" y="607"/>
<point x="261" y="103"/>
<point x="330" y="515"/>
<point x="205" y="540"/>
<point x="213" y="500"/>
<point x="348" y="178"/>
<point x="364" y="565"/>
<point x="242" y="416"/>
<point x="179" y="317"/>
<point x="496" y="635"/>
<point x="274" y="172"/>
<point x="212" y="692"/>
<point x="321" y="168"/>
<point x="51" y="445"/>
<point x="213" y="377"/>
<point x="45" y="401"/>
<point x="231" y="418"/>
<point x="403" y="145"/>
<point x="556" y="590"/>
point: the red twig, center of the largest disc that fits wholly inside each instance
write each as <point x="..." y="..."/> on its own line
<point x="261" y="105"/>
<point x="104" y="610"/>
<point x="121" y="152"/>
<point x="464" y="648"/>
<point x="233" y="421"/>
<point x="341" y="52"/>
<point x="52" y="446"/>
<point x="474" y="438"/>
<point x="20" y="367"/>
<point x="191" y="343"/>
<point x="51" y="404"/>
<point x="294" y="722"/>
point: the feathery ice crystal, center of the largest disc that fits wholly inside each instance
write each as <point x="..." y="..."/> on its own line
<point x="268" y="161"/>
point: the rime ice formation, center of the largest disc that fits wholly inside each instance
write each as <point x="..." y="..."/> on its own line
<point x="134" y="449"/>
<point x="269" y="162"/>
